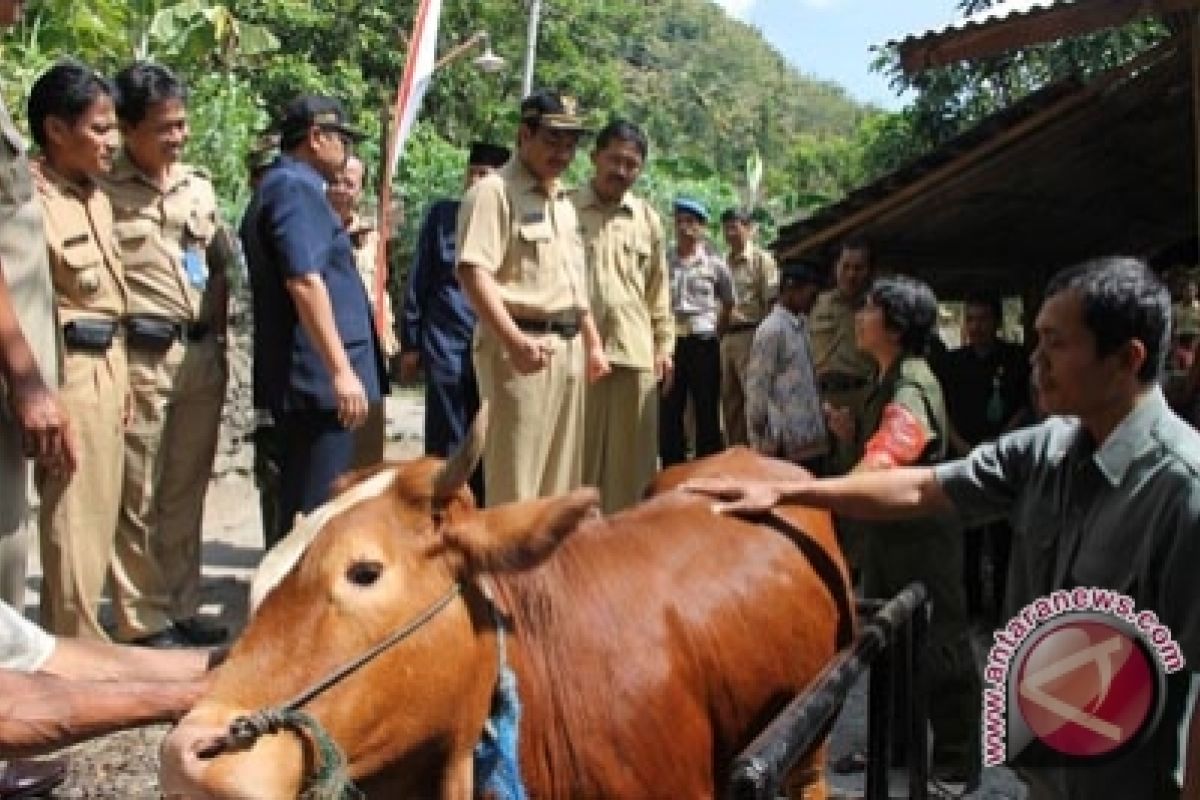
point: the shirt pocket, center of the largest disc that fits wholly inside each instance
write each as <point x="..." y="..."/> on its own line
<point x="135" y="237"/>
<point x="635" y="261"/>
<point x="535" y="239"/>
<point x="83" y="273"/>
<point x="16" y="183"/>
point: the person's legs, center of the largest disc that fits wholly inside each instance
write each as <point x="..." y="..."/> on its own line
<point x="316" y="450"/>
<point x="735" y="354"/>
<point x="706" y="396"/>
<point x="672" y="443"/>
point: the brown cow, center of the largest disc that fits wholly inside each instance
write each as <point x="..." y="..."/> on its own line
<point x="649" y="647"/>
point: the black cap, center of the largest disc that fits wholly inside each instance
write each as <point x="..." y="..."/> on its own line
<point x="737" y="215"/>
<point x="308" y="111"/>
<point x="551" y="110"/>
<point x="798" y="272"/>
<point x="484" y="154"/>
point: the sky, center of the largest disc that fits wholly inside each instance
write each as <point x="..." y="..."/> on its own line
<point x="830" y="39"/>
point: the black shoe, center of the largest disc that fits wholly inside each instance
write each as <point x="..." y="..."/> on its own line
<point x="22" y="779"/>
<point x="167" y="639"/>
<point x="201" y="632"/>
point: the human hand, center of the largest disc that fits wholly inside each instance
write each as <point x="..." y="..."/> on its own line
<point x="351" y="399"/>
<point x="745" y="498"/>
<point x="530" y="355"/>
<point x="410" y="366"/>
<point x="664" y="371"/>
<point x="46" y="435"/>
<point x="841" y="422"/>
<point x="597" y="365"/>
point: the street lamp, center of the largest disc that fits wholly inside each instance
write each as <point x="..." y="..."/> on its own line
<point x="488" y="61"/>
<point x="535" y="17"/>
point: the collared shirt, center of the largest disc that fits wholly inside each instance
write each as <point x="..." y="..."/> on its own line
<point x="24" y="647"/>
<point x="364" y="238"/>
<point x="84" y="263"/>
<point x="438" y="321"/>
<point x="168" y="239"/>
<point x="831" y="331"/>
<point x="527" y="236"/>
<point x="627" y="277"/>
<point x="290" y="231"/>
<point x="700" y="286"/>
<point x="1124" y="516"/>
<point x="755" y="283"/>
<point x="783" y="407"/>
<point x="23" y="254"/>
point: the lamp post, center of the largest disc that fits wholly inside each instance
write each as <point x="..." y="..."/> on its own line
<point x="535" y="17"/>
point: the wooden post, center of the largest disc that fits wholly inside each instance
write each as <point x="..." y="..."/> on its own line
<point x="1196" y="111"/>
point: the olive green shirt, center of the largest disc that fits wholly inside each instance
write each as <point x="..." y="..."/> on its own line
<point x="627" y="277"/>
<point x="1124" y="516"/>
<point x="831" y="333"/>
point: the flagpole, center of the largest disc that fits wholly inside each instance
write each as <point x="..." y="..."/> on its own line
<point x="531" y="43"/>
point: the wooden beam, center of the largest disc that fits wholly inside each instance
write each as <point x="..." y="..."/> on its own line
<point x="1195" y="32"/>
<point x="1037" y="27"/>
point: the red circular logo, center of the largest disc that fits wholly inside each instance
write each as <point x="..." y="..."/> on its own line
<point x="1086" y="687"/>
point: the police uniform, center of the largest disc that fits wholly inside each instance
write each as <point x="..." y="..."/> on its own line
<point x="755" y="283"/>
<point x="176" y="257"/>
<point x="844" y="372"/>
<point x="79" y="512"/>
<point x="364" y="238"/>
<point x="23" y="260"/>
<point x="928" y="550"/>
<point x="631" y="305"/>
<point x="528" y="238"/>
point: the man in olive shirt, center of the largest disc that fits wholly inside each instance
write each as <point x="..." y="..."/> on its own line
<point x="1105" y="493"/>
<point x="176" y="256"/>
<point x="631" y="303"/>
<point x="755" y="283"/>
<point x="521" y="265"/>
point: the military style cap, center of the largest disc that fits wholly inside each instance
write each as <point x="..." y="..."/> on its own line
<point x="308" y="111"/>
<point x="552" y="110"/>
<point x="484" y="154"/>
<point x="688" y="205"/>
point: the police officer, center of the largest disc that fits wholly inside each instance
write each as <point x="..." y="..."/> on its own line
<point x="345" y="192"/>
<point x="755" y="283"/>
<point x="702" y="299"/>
<point x="317" y="363"/>
<point x="176" y="255"/>
<point x="437" y="322"/>
<point x="33" y="422"/>
<point x="521" y="264"/>
<point x="73" y="120"/>
<point x="631" y="303"/>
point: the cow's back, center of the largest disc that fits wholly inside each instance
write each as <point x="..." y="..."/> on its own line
<point x="656" y="644"/>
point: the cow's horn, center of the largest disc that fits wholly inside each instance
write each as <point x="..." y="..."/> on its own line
<point x="455" y="473"/>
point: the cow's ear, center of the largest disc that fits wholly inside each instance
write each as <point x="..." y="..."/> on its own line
<point x="517" y="536"/>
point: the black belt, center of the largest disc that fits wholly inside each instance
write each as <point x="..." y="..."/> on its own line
<point x="93" y="335"/>
<point x="150" y="333"/>
<point x="840" y="382"/>
<point x="741" y="327"/>
<point x="567" y="330"/>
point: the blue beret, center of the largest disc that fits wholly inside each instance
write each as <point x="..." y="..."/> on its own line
<point x="693" y="207"/>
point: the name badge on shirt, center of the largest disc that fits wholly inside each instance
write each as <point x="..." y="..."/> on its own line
<point x="195" y="268"/>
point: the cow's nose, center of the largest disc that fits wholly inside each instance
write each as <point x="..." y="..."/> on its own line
<point x="182" y="771"/>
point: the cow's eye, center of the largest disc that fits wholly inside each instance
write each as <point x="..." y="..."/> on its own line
<point x="364" y="573"/>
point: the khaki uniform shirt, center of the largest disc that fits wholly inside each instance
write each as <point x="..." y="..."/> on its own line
<point x="171" y="240"/>
<point x="84" y="261"/>
<point x="627" y="278"/>
<point x="528" y="239"/>
<point x="755" y="284"/>
<point x="23" y="252"/>
<point x="364" y="238"/>
<point x="831" y="330"/>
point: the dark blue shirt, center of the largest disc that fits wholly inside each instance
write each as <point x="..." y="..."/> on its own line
<point x="438" y="321"/>
<point x="290" y="231"/>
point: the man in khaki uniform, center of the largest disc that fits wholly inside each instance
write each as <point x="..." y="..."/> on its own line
<point x="755" y="283"/>
<point x="33" y="424"/>
<point x="844" y="373"/>
<point x="344" y="195"/>
<point x="176" y="254"/>
<point x="78" y="514"/>
<point x="521" y="265"/>
<point x="631" y="304"/>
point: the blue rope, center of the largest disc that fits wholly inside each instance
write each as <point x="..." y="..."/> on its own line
<point x="497" y="765"/>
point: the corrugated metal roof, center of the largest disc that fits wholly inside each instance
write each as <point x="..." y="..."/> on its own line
<point x="1001" y="11"/>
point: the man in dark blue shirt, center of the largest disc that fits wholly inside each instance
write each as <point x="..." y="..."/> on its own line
<point x="317" y="361"/>
<point x="438" y="321"/>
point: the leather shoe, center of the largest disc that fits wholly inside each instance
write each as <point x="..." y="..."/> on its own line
<point x="26" y="779"/>
<point x="201" y="632"/>
<point x="166" y="639"/>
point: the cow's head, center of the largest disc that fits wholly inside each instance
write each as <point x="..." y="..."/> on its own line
<point x="383" y="551"/>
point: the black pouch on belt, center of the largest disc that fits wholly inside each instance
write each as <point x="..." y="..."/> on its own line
<point x="90" y="335"/>
<point x="150" y="334"/>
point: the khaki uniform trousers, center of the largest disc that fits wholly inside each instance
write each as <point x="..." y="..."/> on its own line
<point x="534" y="443"/>
<point x="369" y="439"/>
<point x="78" y="515"/>
<point x="15" y="523"/>
<point x="735" y="355"/>
<point x="620" y="439"/>
<point x="169" y="450"/>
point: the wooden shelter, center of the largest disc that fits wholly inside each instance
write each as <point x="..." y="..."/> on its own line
<point x="1070" y="172"/>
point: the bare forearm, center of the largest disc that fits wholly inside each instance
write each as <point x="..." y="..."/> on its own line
<point x="16" y="358"/>
<point x="874" y="494"/>
<point x="480" y="288"/>
<point x="316" y="315"/>
<point x="81" y="659"/>
<point x="40" y="713"/>
<point x="591" y="336"/>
